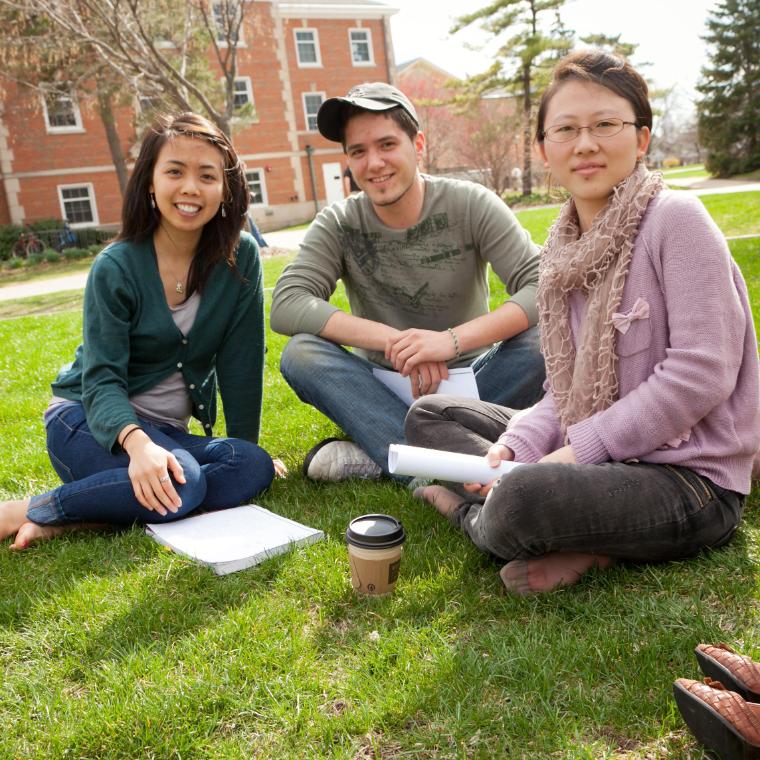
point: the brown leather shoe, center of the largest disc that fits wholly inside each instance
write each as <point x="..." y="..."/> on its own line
<point x="719" y="719"/>
<point x="734" y="671"/>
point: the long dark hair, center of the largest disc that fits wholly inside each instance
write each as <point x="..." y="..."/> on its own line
<point x="604" y="69"/>
<point x="220" y="236"/>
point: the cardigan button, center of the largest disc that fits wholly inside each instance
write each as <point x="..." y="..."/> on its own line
<point x="184" y="341"/>
<point x="201" y="406"/>
<point x="179" y="365"/>
<point x="191" y="386"/>
<point x="207" y="426"/>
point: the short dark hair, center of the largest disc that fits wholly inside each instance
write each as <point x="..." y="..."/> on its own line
<point x="220" y="236"/>
<point x="605" y="69"/>
<point x="398" y="114"/>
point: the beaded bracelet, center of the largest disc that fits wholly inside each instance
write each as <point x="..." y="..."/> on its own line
<point x="129" y="432"/>
<point x="457" y="352"/>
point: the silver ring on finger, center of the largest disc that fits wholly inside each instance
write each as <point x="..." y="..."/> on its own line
<point x="165" y="479"/>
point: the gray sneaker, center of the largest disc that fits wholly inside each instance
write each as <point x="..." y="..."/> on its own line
<point x="335" y="460"/>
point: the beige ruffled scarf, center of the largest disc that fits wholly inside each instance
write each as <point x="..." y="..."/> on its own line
<point x="585" y="381"/>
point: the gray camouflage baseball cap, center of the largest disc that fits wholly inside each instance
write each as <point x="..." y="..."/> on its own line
<point x="371" y="96"/>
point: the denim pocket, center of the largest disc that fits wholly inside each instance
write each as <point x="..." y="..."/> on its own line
<point x="64" y="473"/>
<point x="698" y="489"/>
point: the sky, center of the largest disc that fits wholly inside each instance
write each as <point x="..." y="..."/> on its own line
<point x="667" y="31"/>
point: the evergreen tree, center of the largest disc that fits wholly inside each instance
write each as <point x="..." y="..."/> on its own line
<point x="523" y="59"/>
<point x="730" y="86"/>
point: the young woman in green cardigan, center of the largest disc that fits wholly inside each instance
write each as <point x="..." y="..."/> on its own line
<point x="171" y="308"/>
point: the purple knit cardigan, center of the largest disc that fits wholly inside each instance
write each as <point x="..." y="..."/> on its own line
<point x="688" y="372"/>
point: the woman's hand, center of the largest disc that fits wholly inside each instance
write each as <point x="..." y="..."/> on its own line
<point x="150" y="470"/>
<point x="410" y="348"/>
<point x="497" y="454"/>
<point x="565" y="455"/>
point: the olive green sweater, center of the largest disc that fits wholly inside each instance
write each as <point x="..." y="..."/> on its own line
<point x="131" y="342"/>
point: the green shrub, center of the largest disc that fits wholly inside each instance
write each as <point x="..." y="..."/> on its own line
<point x="15" y="263"/>
<point x="50" y="255"/>
<point x="9" y="234"/>
<point x="33" y="259"/>
<point x="95" y="249"/>
<point x="75" y="253"/>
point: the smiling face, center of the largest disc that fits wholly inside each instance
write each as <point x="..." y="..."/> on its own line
<point x="589" y="167"/>
<point x="188" y="184"/>
<point x="383" y="160"/>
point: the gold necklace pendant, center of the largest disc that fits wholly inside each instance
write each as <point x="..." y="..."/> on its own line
<point x="179" y="287"/>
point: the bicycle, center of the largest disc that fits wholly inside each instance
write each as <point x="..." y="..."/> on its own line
<point x="27" y="244"/>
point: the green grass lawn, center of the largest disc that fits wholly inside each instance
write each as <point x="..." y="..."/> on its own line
<point x="112" y="647"/>
<point x="685" y="172"/>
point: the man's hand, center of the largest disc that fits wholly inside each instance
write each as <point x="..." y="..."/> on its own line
<point x="497" y="454"/>
<point x="426" y="377"/>
<point x="565" y="455"/>
<point x="410" y="348"/>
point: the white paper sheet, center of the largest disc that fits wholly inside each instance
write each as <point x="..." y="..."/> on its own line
<point x="233" y="539"/>
<point x="443" y="465"/>
<point x="461" y="382"/>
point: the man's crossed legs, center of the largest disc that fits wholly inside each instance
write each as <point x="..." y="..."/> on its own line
<point x="342" y="386"/>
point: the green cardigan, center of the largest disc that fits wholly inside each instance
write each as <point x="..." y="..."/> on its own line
<point x="131" y="343"/>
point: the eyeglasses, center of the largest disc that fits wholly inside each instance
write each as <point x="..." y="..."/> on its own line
<point x="605" y="128"/>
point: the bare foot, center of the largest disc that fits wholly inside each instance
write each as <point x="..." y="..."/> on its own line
<point x="445" y="501"/>
<point x="534" y="576"/>
<point x="12" y="516"/>
<point x="30" y="533"/>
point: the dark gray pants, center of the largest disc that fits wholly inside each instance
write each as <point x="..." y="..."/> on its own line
<point x="637" y="512"/>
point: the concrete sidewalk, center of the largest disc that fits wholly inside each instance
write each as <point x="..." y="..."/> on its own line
<point x="281" y="241"/>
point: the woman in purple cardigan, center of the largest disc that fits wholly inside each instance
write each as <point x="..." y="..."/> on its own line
<point x="641" y="450"/>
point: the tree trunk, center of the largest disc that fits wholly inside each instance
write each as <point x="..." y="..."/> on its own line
<point x="527" y="178"/>
<point x="105" y="109"/>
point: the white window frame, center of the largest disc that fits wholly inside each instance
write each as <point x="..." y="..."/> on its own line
<point x="90" y="197"/>
<point x="220" y="39"/>
<point x="262" y="183"/>
<point x="306" y="114"/>
<point x="368" y="32"/>
<point x="308" y="64"/>
<point x="248" y="91"/>
<point x="144" y="107"/>
<point x="54" y="130"/>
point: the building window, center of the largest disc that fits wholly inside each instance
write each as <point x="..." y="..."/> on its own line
<point x="311" y="103"/>
<point x="257" y="187"/>
<point x="78" y="204"/>
<point x="61" y="113"/>
<point x="149" y="105"/>
<point x="242" y="93"/>
<point x="226" y="21"/>
<point x="307" y="47"/>
<point x="361" y="47"/>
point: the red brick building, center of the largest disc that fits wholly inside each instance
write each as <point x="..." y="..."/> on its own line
<point x="54" y="157"/>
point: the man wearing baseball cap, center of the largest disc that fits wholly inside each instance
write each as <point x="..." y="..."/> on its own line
<point x="413" y="253"/>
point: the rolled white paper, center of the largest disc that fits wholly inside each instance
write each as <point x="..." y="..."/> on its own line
<point x="443" y="465"/>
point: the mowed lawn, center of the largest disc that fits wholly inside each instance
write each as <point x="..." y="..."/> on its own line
<point x="112" y="647"/>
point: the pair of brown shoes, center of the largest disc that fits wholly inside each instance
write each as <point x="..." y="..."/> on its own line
<point x="723" y="712"/>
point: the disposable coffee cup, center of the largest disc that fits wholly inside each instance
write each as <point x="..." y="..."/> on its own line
<point x="375" y="546"/>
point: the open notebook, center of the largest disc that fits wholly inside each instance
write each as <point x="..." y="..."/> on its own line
<point x="233" y="539"/>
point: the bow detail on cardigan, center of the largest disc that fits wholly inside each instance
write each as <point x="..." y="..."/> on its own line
<point x="639" y="310"/>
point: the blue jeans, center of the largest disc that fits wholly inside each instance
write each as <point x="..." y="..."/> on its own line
<point x="220" y="473"/>
<point x="341" y="385"/>
<point x="631" y="511"/>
